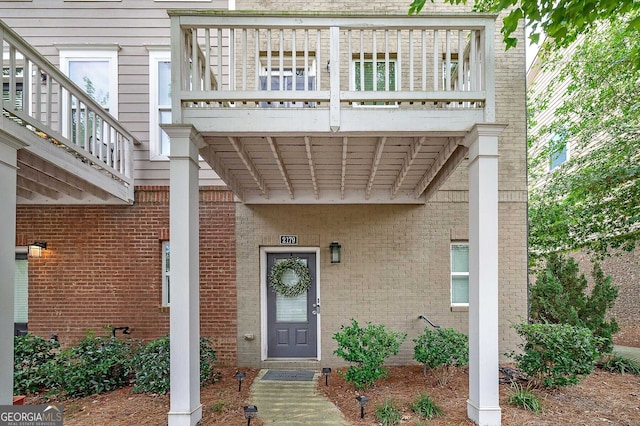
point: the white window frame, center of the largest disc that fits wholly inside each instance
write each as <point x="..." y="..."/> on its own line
<point x="456" y="274"/>
<point x="166" y="283"/>
<point x="355" y="61"/>
<point x="155" y="132"/>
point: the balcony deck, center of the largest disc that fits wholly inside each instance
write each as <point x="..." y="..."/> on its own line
<point x="77" y="153"/>
<point x="278" y="100"/>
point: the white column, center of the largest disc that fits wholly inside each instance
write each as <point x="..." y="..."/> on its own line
<point x="184" y="331"/>
<point x="8" y="169"/>
<point x="483" y="403"/>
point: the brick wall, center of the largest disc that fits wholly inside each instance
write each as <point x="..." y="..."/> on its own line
<point x="102" y="267"/>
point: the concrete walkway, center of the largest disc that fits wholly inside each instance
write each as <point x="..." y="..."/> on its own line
<point x="627" y="352"/>
<point x="293" y="403"/>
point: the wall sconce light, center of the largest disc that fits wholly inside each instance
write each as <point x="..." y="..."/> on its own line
<point x="326" y="371"/>
<point x="36" y="247"/>
<point x="250" y="411"/>
<point x="334" y="249"/>
<point x="362" y="402"/>
<point x="240" y="375"/>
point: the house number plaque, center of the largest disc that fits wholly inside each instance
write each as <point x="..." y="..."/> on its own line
<point x="288" y="240"/>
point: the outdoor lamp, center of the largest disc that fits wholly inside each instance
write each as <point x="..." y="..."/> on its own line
<point x="326" y="371"/>
<point x="240" y="375"/>
<point x="362" y="402"/>
<point x="250" y="411"/>
<point x="334" y="249"/>
<point x="36" y="247"/>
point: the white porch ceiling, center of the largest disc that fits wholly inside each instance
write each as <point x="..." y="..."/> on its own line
<point x="333" y="168"/>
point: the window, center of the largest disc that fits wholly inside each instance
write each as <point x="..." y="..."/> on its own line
<point x="166" y="266"/>
<point x="159" y="103"/>
<point x="21" y="294"/>
<point x="95" y="71"/>
<point x="384" y="81"/>
<point x="460" y="274"/>
<point x="270" y="79"/>
<point x="558" y="146"/>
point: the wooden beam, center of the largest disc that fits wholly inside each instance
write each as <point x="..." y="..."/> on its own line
<point x="438" y="163"/>
<point x="345" y="142"/>
<point x="37" y="188"/>
<point x="458" y="155"/>
<point x="283" y="171"/>
<point x="32" y="174"/>
<point x="248" y="163"/>
<point x="312" y="168"/>
<point x="24" y="193"/>
<point x="414" y="149"/>
<point x="212" y="158"/>
<point x="374" y="165"/>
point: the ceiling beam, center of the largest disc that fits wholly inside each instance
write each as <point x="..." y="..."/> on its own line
<point x="24" y="193"/>
<point x="35" y="175"/>
<point x="37" y="188"/>
<point x="438" y="163"/>
<point x="374" y="165"/>
<point x="458" y="155"/>
<point x="414" y="149"/>
<point x="345" y="142"/>
<point x="212" y="158"/>
<point x="312" y="167"/>
<point x="283" y="171"/>
<point x="248" y="163"/>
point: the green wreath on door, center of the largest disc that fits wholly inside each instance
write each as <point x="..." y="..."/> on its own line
<point x="300" y="269"/>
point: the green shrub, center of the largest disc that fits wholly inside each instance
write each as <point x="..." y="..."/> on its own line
<point x="95" y="365"/>
<point x="619" y="364"/>
<point x="440" y="349"/>
<point x="33" y="358"/>
<point x="559" y="297"/>
<point x="556" y="354"/>
<point x="522" y="397"/>
<point x="388" y="414"/>
<point x="367" y="348"/>
<point x="425" y="407"/>
<point x="151" y="366"/>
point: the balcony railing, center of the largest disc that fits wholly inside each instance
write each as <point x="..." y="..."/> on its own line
<point x="258" y="59"/>
<point x="38" y="96"/>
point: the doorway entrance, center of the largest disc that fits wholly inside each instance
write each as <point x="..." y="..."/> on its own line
<point x="291" y="322"/>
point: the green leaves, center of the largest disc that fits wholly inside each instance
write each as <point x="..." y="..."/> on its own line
<point x="367" y="348"/>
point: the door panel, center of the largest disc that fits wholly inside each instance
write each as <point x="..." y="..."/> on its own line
<point x="292" y="321"/>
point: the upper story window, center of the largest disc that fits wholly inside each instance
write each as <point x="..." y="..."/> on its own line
<point x="559" y="153"/>
<point x="377" y="76"/>
<point x="95" y="71"/>
<point x="159" y="103"/>
<point x="275" y="78"/>
<point x="460" y="274"/>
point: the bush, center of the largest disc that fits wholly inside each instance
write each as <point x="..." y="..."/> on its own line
<point x="96" y="365"/>
<point x="425" y="407"/>
<point x="556" y="354"/>
<point x="368" y="348"/>
<point x="151" y="366"/>
<point x="522" y="397"/>
<point x="619" y="364"/>
<point x="441" y="349"/>
<point x="33" y="358"/>
<point x="559" y="297"/>
<point x="388" y="413"/>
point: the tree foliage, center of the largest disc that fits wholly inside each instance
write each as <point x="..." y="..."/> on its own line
<point x="559" y="296"/>
<point x="561" y="21"/>
<point x="592" y="200"/>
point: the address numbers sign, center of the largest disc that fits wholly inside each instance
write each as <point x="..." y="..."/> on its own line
<point x="288" y="240"/>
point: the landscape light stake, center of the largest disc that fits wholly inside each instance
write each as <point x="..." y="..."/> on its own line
<point x="250" y="411"/>
<point x="240" y="375"/>
<point x="326" y="371"/>
<point x="362" y="402"/>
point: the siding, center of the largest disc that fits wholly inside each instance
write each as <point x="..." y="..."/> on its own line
<point x="132" y="25"/>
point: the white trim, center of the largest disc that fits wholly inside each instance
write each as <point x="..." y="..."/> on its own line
<point x="166" y="290"/>
<point x="96" y="53"/>
<point x="263" y="294"/>
<point x="456" y="274"/>
<point x="155" y="150"/>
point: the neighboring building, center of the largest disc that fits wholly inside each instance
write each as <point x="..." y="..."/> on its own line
<point x="419" y="174"/>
